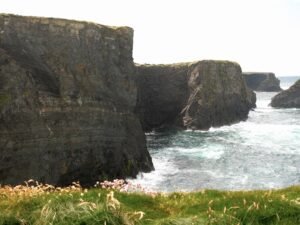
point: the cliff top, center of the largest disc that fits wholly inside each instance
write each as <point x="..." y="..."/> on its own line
<point x="180" y="64"/>
<point x="75" y="24"/>
<point x="260" y="73"/>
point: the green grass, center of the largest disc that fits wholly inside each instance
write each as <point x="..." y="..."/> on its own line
<point x="39" y="205"/>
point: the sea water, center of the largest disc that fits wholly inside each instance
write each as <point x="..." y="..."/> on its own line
<point x="262" y="152"/>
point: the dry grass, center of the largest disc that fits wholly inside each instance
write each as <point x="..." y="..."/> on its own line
<point x="112" y="203"/>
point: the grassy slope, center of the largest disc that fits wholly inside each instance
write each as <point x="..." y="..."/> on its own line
<point x="73" y="205"/>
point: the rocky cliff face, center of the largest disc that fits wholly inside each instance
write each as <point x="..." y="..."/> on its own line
<point x="262" y="82"/>
<point x="67" y="96"/>
<point x="192" y="95"/>
<point x="289" y="98"/>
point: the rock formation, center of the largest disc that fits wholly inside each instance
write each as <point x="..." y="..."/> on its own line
<point x="262" y="82"/>
<point x="289" y="98"/>
<point x="192" y="95"/>
<point x="67" y="96"/>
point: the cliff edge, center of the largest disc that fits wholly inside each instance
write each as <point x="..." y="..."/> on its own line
<point x="67" y="95"/>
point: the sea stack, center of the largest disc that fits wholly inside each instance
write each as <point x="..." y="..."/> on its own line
<point x="289" y="98"/>
<point x="196" y="95"/>
<point x="262" y="82"/>
<point x="67" y="100"/>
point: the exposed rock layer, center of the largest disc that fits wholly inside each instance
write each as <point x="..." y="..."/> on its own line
<point x="192" y="95"/>
<point x="67" y="96"/>
<point x="289" y="98"/>
<point x="262" y="82"/>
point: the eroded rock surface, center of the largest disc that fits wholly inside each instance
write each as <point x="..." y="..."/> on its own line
<point x="195" y="95"/>
<point x="67" y="96"/>
<point x="262" y="82"/>
<point x="289" y="98"/>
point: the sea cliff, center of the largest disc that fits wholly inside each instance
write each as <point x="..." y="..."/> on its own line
<point x="67" y="96"/>
<point x="196" y="95"/>
<point x="74" y="106"/>
<point x="262" y="82"/>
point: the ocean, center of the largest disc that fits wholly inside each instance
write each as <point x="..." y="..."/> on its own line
<point x="260" y="153"/>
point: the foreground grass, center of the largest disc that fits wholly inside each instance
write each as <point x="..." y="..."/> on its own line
<point x="44" y="204"/>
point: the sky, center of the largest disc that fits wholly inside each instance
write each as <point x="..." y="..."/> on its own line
<point x="261" y="35"/>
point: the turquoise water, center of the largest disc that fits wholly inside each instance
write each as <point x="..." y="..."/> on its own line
<point x="262" y="152"/>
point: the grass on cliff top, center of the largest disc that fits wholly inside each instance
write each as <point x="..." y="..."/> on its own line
<point x="44" y="204"/>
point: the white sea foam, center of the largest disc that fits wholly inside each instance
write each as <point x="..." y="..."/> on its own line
<point x="163" y="168"/>
<point x="262" y="152"/>
<point x="208" y="152"/>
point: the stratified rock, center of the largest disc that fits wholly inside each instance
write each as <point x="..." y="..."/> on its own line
<point x="195" y="95"/>
<point x="262" y="82"/>
<point x="289" y="98"/>
<point x="67" y="96"/>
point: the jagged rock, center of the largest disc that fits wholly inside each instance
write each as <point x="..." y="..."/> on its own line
<point x="67" y="95"/>
<point x="192" y="95"/>
<point x="289" y="98"/>
<point x="262" y="82"/>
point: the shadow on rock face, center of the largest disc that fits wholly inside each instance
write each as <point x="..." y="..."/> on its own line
<point x="67" y="99"/>
<point x="195" y="95"/>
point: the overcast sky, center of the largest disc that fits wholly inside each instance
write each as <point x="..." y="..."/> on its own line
<point x="261" y="35"/>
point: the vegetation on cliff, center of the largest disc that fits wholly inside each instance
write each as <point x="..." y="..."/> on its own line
<point x="43" y="204"/>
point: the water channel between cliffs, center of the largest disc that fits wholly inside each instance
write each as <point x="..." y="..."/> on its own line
<point x="263" y="152"/>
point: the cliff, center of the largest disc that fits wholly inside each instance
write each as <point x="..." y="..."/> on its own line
<point x="289" y="98"/>
<point x="195" y="95"/>
<point x="262" y="82"/>
<point x="67" y="95"/>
